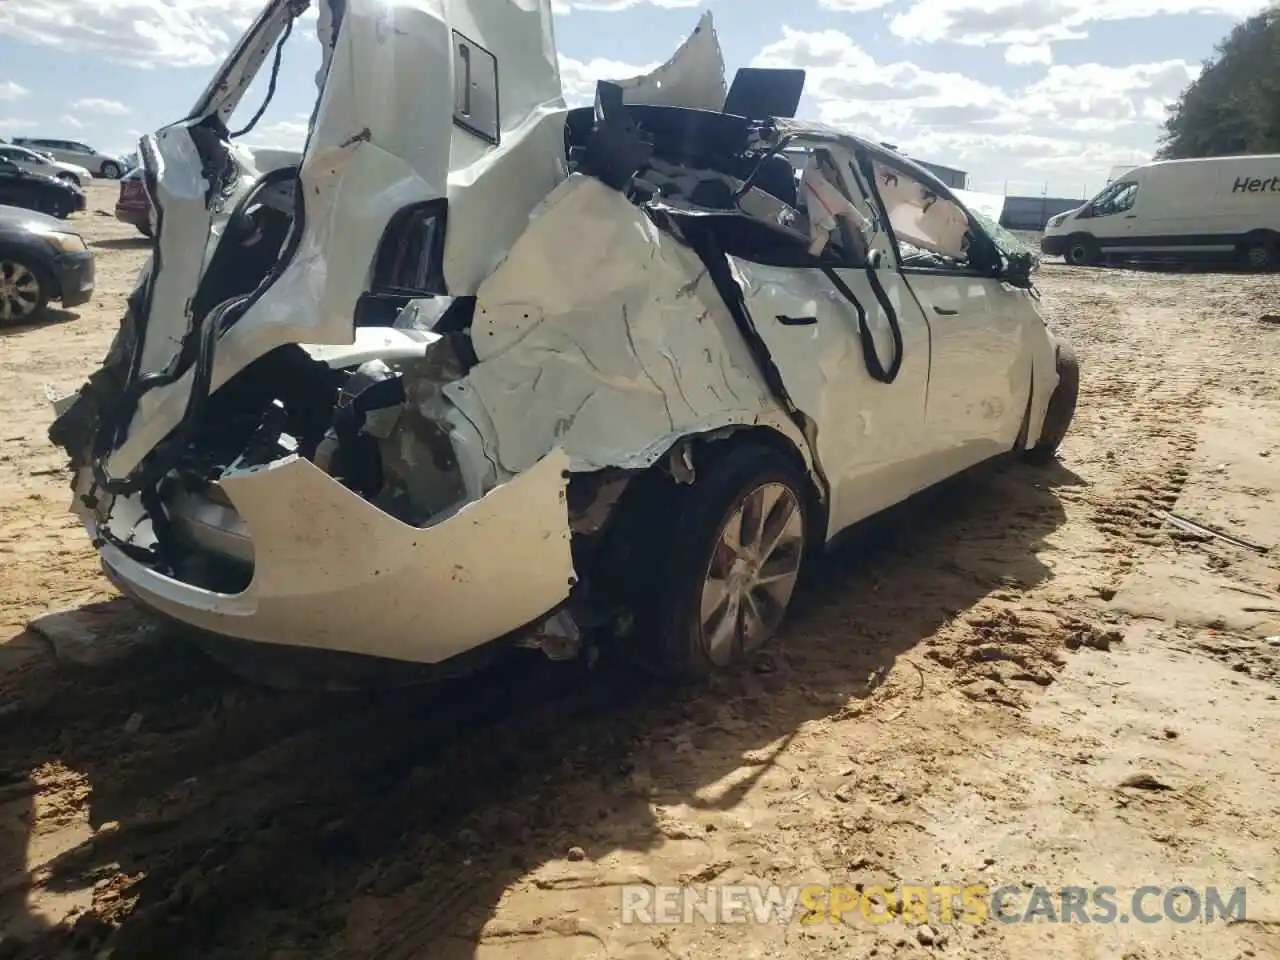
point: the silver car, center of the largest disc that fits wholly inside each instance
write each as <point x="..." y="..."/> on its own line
<point x="27" y="159"/>
<point x="99" y="164"/>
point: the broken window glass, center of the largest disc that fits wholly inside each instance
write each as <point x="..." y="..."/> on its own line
<point x="930" y="230"/>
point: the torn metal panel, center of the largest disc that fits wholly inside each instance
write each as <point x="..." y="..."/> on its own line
<point x="375" y="343"/>
<point x="612" y="353"/>
<point x="385" y="135"/>
<point x="333" y="572"/>
<point x="694" y="77"/>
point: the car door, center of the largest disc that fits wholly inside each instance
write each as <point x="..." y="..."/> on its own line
<point x="15" y="189"/>
<point x="60" y="150"/>
<point x="10" y="183"/>
<point x="1111" y="219"/>
<point x="828" y="322"/>
<point x="17" y="156"/>
<point x="980" y="372"/>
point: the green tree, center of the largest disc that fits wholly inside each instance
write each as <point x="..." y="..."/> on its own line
<point x="1234" y="105"/>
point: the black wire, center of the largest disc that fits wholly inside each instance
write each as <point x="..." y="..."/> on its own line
<point x="271" y="85"/>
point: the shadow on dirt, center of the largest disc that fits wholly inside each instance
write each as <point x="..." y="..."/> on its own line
<point x="46" y="318"/>
<point x="229" y="821"/>
<point x="122" y="243"/>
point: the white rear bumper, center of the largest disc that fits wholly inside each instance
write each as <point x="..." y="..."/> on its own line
<point x="333" y="572"/>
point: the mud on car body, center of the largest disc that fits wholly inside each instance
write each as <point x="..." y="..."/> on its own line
<point x="474" y="369"/>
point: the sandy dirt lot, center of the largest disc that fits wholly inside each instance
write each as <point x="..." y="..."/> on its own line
<point x="1032" y="680"/>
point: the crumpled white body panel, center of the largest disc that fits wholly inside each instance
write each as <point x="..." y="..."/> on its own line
<point x="603" y="335"/>
<point x="693" y="77"/>
<point x="333" y="572"/>
<point x="384" y="138"/>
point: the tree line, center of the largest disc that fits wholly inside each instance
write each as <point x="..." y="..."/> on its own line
<point x="1234" y="105"/>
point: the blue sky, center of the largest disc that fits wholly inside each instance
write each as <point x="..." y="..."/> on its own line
<point x="1032" y="94"/>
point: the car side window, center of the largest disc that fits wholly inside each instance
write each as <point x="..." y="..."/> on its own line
<point x="840" y="219"/>
<point x="7" y="165"/>
<point x="1116" y="199"/>
<point x="929" y="230"/>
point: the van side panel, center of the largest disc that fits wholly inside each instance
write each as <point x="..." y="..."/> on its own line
<point x="1189" y="209"/>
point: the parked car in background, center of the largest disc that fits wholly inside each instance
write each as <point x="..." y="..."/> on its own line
<point x="41" y="259"/>
<point x="133" y="206"/>
<point x="109" y="165"/>
<point x="38" y="191"/>
<point x="30" y="160"/>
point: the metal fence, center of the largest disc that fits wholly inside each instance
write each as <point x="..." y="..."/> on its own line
<point x="1032" y="213"/>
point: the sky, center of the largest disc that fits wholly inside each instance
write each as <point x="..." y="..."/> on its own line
<point x="1028" y="96"/>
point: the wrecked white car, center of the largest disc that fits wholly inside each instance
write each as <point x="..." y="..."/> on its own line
<point x="476" y="370"/>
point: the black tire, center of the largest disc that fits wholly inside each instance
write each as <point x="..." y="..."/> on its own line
<point x="111" y="170"/>
<point x="1260" y="252"/>
<point x="1082" y="251"/>
<point x="15" y="268"/>
<point x="671" y="621"/>
<point x="1061" y="410"/>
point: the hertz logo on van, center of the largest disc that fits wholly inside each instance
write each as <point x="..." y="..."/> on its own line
<point x="1256" y="185"/>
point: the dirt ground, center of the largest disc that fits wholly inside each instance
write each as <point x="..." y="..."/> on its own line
<point x="961" y="697"/>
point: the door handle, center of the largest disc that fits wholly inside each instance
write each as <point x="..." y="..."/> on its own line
<point x="944" y="312"/>
<point x="796" y="321"/>
<point x="1130" y="216"/>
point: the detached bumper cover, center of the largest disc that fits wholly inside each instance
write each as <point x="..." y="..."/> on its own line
<point x="75" y="276"/>
<point x="333" y="572"/>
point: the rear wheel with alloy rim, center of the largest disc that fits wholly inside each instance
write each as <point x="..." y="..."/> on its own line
<point x="23" y="293"/>
<point x="734" y="560"/>
<point x="111" y="170"/>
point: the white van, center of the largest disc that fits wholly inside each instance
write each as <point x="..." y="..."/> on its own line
<point x="1216" y="208"/>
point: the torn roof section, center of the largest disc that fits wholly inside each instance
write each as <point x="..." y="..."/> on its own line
<point x="693" y="78"/>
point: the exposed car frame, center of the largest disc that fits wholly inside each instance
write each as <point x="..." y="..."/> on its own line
<point x="471" y="346"/>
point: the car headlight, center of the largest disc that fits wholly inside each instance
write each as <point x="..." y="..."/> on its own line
<point x="65" y="242"/>
<point x="1058" y="220"/>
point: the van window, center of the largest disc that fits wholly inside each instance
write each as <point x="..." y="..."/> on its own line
<point x="1117" y="198"/>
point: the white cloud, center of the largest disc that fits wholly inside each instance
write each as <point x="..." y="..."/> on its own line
<point x="1093" y="97"/>
<point x="142" y="33"/>
<point x="281" y="134"/>
<point x="69" y="121"/>
<point x="1034" y="22"/>
<point x="111" y="108"/>
<point x="615" y="6"/>
<point x="8" y="124"/>
<point x="1071" y="125"/>
<point x="854" y="6"/>
<point x="1023" y="54"/>
<point x="579" y="77"/>
<point x="850" y="88"/>
<point x="12" y="91"/>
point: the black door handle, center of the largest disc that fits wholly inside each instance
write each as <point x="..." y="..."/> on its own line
<point x="944" y="312"/>
<point x="796" y="321"/>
